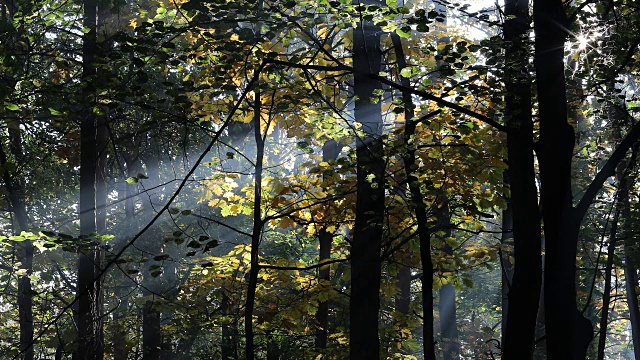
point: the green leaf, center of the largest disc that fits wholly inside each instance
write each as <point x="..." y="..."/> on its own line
<point x="12" y="107"/>
<point x="406" y="72"/>
<point x="404" y="31"/>
<point x="131" y="180"/>
<point x="174" y="211"/>
<point x="54" y="112"/>
<point x="392" y="2"/>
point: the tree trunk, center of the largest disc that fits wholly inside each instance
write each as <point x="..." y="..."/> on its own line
<point x="228" y="338"/>
<point x="151" y="329"/>
<point x="16" y="196"/>
<point x="330" y="151"/>
<point x="447" y="311"/>
<point x="151" y="336"/>
<point x="568" y="332"/>
<point x="256" y="234"/>
<point x="506" y="266"/>
<point x="606" y="293"/>
<point x="273" y="351"/>
<point x="25" y="250"/>
<point x="631" y="280"/>
<point x="630" y="254"/>
<point x="524" y="292"/>
<point x="364" y="301"/>
<point x="89" y="323"/>
<point x="424" y="233"/>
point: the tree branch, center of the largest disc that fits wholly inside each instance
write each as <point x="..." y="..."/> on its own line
<point x="609" y="169"/>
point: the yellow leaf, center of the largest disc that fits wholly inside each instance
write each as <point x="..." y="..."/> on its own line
<point x="311" y="229"/>
<point x="322" y="33"/>
<point x="217" y="190"/>
<point x="133" y="23"/>
<point x="234" y="209"/>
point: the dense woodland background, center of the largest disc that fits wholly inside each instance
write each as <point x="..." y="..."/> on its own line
<point x="294" y="179"/>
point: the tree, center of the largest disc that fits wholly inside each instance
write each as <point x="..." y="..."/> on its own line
<point x="524" y="289"/>
<point x="364" y="301"/>
<point x="90" y="344"/>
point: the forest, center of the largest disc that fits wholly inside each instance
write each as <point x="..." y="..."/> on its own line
<point x="319" y="179"/>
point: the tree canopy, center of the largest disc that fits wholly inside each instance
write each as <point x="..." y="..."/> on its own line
<point x="328" y="179"/>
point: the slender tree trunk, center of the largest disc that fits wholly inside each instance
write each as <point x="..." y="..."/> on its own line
<point x="330" y="151"/>
<point x="151" y="328"/>
<point x="447" y="307"/>
<point x="630" y="253"/>
<point x="506" y="266"/>
<point x="89" y="323"/>
<point x="403" y="278"/>
<point x="524" y="292"/>
<point x="424" y="233"/>
<point x="25" y="250"/>
<point x="151" y="336"/>
<point x="228" y="339"/>
<point x="447" y="294"/>
<point x="16" y="195"/>
<point x="256" y="234"/>
<point x="631" y="280"/>
<point x="606" y="293"/>
<point x="568" y="332"/>
<point x="273" y="350"/>
<point x="364" y="301"/>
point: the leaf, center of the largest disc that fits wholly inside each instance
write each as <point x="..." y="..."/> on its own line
<point x="194" y="244"/>
<point x="406" y="72"/>
<point x="54" y="112"/>
<point x="174" y="211"/>
<point x="131" y="180"/>
<point x="404" y="31"/>
<point x="12" y="107"/>
<point x="161" y="257"/>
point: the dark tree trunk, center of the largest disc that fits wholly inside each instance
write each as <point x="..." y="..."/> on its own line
<point x="631" y="280"/>
<point x="623" y="172"/>
<point x="89" y="323"/>
<point x="568" y="332"/>
<point x="330" y="151"/>
<point x="228" y="338"/>
<point x="25" y="250"/>
<point x="151" y="335"/>
<point x="424" y="233"/>
<point x="254" y="268"/>
<point x="524" y="292"/>
<point x="506" y="266"/>
<point x="606" y="293"/>
<point x="364" y="301"/>
<point x="151" y="317"/>
<point x="15" y="192"/>
<point x="273" y="350"/>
